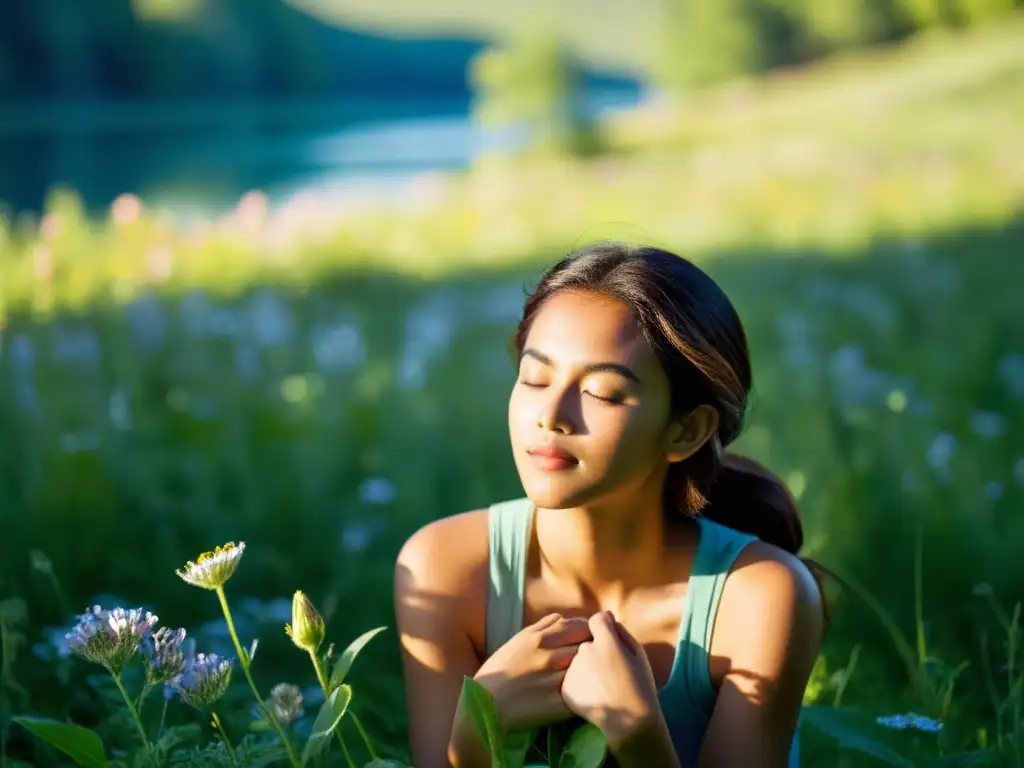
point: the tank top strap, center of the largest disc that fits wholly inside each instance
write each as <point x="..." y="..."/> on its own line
<point x="508" y="525"/>
<point x="717" y="551"/>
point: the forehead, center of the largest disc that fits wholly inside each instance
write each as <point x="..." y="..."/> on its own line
<point x="577" y="326"/>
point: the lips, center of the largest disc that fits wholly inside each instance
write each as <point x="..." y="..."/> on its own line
<point x="550" y="458"/>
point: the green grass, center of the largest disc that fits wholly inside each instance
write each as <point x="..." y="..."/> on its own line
<point x="871" y="243"/>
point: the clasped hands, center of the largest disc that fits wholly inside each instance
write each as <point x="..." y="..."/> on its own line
<point x="558" y="667"/>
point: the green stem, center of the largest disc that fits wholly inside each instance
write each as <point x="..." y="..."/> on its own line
<point x="131" y="707"/>
<point x="366" y="737"/>
<point x="219" y="727"/>
<point x="344" y="748"/>
<point x="146" y="688"/>
<point x="163" y="718"/>
<point x="243" y="661"/>
<point x="321" y="675"/>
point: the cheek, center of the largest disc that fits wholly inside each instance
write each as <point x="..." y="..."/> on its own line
<point x="520" y="417"/>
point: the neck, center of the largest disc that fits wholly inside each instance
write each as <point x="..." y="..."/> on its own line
<point x="606" y="551"/>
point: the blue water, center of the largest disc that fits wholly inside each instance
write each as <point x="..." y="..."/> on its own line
<point x="196" y="168"/>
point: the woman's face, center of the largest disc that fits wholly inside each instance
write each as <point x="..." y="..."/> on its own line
<point x="589" y="416"/>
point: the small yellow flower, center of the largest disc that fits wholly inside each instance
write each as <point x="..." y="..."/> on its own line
<point x="212" y="569"/>
<point x="307" y="627"/>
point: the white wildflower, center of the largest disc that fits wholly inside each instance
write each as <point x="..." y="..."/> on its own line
<point x="211" y="570"/>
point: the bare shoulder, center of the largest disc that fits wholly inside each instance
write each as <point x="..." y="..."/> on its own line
<point x="764" y="572"/>
<point x="771" y="605"/>
<point x="442" y="570"/>
<point x="444" y="549"/>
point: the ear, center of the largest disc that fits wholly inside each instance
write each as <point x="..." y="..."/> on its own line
<point x="688" y="434"/>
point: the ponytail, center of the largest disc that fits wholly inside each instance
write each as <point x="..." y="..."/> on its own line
<point x="747" y="497"/>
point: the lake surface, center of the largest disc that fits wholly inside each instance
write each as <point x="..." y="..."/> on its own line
<point x="200" y="163"/>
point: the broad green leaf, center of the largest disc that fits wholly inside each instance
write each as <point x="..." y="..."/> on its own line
<point x="382" y="763"/>
<point x="344" y="664"/>
<point x="586" y="748"/>
<point x="516" y="746"/>
<point x="554" y="745"/>
<point x="480" y="703"/>
<point x="327" y="720"/>
<point x="80" y="744"/>
<point x="842" y="725"/>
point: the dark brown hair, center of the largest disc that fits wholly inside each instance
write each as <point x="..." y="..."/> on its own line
<point x="699" y="340"/>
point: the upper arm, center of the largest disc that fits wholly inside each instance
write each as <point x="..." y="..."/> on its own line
<point x="770" y="627"/>
<point x="437" y="600"/>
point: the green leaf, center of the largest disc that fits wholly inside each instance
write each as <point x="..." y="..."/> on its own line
<point x="348" y="656"/>
<point x="327" y="720"/>
<point x="843" y="725"/>
<point x="587" y="748"/>
<point x="480" y="703"/>
<point x="516" y="746"/>
<point x="80" y="744"/>
<point x="554" y="745"/>
<point x="382" y="763"/>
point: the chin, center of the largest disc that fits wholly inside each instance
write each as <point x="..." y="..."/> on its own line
<point x="554" y="492"/>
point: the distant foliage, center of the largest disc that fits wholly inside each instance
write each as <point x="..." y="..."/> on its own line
<point x="704" y="42"/>
<point x="532" y="83"/>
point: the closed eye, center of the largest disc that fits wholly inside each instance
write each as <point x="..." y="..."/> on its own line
<point x="613" y="400"/>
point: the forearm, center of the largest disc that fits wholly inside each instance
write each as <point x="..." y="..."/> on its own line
<point x="646" y="746"/>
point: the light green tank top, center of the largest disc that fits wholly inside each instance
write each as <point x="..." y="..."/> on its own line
<point x="688" y="697"/>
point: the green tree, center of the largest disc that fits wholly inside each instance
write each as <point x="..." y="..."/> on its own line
<point x="533" y="83"/>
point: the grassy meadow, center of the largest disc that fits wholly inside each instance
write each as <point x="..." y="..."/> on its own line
<point x="321" y="380"/>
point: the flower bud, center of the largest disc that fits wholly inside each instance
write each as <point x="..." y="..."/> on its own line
<point x="307" y="627"/>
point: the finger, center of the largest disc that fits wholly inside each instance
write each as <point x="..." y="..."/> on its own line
<point x="566" y="632"/>
<point x="561" y="658"/>
<point x="629" y="642"/>
<point x="602" y="627"/>
<point x="547" y="621"/>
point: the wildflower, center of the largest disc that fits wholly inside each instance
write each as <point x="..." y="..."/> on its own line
<point x="165" y="654"/>
<point x="286" y="701"/>
<point x="203" y="680"/>
<point x="941" y="451"/>
<point x="910" y="720"/>
<point x="993" y="490"/>
<point x="212" y="569"/>
<point x="377" y="490"/>
<point x="110" y="638"/>
<point x="988" y="425"/>
<point x="307" y="627"/>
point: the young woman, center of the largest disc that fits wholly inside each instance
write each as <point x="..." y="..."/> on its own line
<point x="648" y="582"/>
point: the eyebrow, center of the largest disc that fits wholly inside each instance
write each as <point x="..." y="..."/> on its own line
<point x="590" y="368"/>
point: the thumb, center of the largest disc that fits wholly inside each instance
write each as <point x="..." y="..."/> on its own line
<point x="609" y="628"/>
<point x="630" y="643"/>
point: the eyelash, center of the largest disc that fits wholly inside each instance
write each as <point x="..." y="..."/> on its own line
<point x="617" y="400"/>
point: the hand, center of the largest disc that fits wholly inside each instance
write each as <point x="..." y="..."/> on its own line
<point x="525" y="674"/>
<point x="610" y="682"/>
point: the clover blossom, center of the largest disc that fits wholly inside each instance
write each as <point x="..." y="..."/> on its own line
<point x="212" y="569"/>
<point x="203" y="680"/>
<point x="286" y="701"/>
<point x="110" y="637"/>
<point x="165" y="654"/>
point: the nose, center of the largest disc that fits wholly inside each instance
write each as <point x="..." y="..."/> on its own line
<point x="555" y="412"/>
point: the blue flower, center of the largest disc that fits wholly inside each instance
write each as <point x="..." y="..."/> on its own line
<point x="910" y="720"/>
<point x="203" y="680"/>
